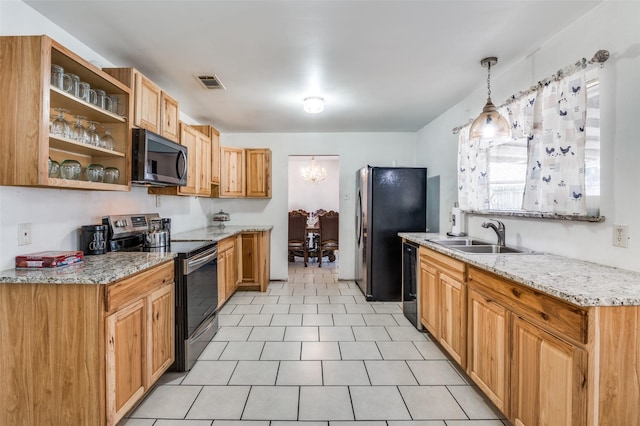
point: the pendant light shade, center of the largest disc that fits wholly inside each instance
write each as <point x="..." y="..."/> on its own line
<point x="490" y="124"/>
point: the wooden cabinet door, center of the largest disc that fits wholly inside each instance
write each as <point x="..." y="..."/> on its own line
<point x="488" y="345"/>
<point x="125" y="350"/>
<point x="160" y="332"/>
<point x="222" y="277"/>
<point x="189" y="138"/>
<point x="258" y="173"/>
<point x="232" y="174"/>
<point x="548" y="382"/>
<point x="453" y="319"/>
<point x="170" y="117"/>
<point x="215" y="156"/>
<point x="204" y="165"/>
<point x="429" y="298"/>
<point x="250" y="254"/>
<point x="231" y="274"/>
<point x="147" y="104"/>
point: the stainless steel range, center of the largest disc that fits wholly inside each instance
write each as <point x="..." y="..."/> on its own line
<point x="196" y="278"/>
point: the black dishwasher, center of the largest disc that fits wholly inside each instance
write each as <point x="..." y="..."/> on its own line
<point x="410" y="296"/>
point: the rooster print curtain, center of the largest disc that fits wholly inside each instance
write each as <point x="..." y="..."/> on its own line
<point x="556" y="174"/>
<point x="473" y="181"/>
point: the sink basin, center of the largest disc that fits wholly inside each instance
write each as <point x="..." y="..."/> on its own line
<point x="490" y="249"/>
<point x="460" y="242"/>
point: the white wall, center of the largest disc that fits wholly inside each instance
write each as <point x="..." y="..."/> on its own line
<point x="613" y="26"/>
<point x="311" y="196"/>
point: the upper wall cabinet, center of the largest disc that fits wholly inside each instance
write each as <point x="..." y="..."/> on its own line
<point x="153" y="108"/>
<point x="213" y="134"/>
<point x="244" y="173"/>
<point x="30" y="104"/>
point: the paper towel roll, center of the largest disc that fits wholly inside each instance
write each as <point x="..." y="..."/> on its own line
<point x="456" y="221"/>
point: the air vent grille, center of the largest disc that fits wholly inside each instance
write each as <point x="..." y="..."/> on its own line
<point x="210" y="81"/>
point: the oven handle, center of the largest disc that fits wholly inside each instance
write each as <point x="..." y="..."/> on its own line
<point x="197" y="262"/>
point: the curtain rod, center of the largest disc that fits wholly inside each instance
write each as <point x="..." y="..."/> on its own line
<point x="600" y="57"/>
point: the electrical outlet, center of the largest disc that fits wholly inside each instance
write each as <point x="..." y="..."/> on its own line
<point x="157" y="201"/>
<point x="620" y="235"/>
<point x="24" y="234"/>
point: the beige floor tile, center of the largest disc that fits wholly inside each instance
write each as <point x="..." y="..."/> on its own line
<point x="320" y="351"/>
<point x="272" y="403"/>
<point x="378" y="403"/>
<point x="325" y="403"/>
<point x="219" y="402"/>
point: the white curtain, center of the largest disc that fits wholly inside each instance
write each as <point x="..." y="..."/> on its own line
<point x="555" y="174"/>
<point x="473" y="169"/>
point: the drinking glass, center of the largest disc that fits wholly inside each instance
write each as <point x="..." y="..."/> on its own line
<point x="78" y="131"/>
<point x="58" y="78"/>
<point x="95" y="172"/>
<point x="84" y="90"/>
<point x="70" y="169"/>
<point x="54" y="168"/>
<point x="111" y="175"/>
<point x="107" y="140"/>
<point x="74" y="86"/>
<point x="60" y="126"/>
<point x="94" y="137"/>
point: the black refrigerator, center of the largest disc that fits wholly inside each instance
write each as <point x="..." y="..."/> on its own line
<point x="388" y="200"/>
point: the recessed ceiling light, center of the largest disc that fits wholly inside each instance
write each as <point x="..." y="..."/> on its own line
<point x="313" y="104"/>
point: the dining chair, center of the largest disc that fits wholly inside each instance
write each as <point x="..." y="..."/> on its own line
<point x="328" y="230"/>
<point x="297" y="245"/>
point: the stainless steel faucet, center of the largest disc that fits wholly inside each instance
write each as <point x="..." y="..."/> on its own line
<point x="500" y="230"/>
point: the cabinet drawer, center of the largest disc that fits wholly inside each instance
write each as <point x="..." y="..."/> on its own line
<point x="452" y="267"/>
<point x="226" y="244"/>
<point x="561" y="318"/>
<point x="126" y="291"/>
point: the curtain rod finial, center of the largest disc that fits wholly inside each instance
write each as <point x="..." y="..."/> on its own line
<point x="600" y="56"/>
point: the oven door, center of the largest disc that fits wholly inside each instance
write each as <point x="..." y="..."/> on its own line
<point x="197" y="309"/>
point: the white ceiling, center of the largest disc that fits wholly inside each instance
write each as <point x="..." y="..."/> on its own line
<point x="389" y="65"/>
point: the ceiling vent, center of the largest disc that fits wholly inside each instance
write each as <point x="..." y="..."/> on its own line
<point x="210" y="81"/>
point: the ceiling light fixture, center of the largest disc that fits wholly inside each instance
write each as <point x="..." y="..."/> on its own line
<point x="313" y="104"/>
<point x="313" y="173"/>
<point x="490" y="124"/>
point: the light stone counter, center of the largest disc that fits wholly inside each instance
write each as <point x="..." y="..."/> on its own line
<point x="575" y="281"/>
<point x="214" y="233"/>
<point x="101" y="269"/>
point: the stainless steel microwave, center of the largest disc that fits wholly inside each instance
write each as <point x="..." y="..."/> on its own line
<point x="157" y="161"/>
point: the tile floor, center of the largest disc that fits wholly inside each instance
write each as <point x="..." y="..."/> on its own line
<point x="313" y="352"/>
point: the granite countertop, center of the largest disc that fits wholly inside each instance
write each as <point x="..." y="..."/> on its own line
<point x="575" y="281"/>
<point x="215" y="234"/>
<point x="100" y="269"/>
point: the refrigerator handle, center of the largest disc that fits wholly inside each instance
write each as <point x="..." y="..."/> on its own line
<point x="359" y="218"/>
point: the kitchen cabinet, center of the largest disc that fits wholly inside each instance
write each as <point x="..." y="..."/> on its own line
<point x="232" y="172"/>
<point x="214" y="135"/>
<point x="547" y="378"/>
<point x="227" y="269"/>
<point x="29" y="103"/>
<point x="244" y="173"/>
<point x="83" y="354"/>
<point x="198" y="165"/>
<point x="542" y="379"/>
<point x="258" y="173"/>
<point x="255" y="261"/>
<point x="445" y="301"/>
<point x="153" y="108"/>
<point x="488" y="348"/>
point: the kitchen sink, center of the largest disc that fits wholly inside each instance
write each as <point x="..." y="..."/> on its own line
<point x="460" y="242"/>
<point x="491" y="249"/>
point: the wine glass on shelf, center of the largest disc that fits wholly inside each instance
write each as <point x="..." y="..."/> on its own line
<point x="60" y="126"/>
<point x="107" y="139"/>
<point x="78" y="131"/>
<point x="94" y="137"/>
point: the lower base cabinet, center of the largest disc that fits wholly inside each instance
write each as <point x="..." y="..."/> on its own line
<point x="488" y="346"/>
<point x="83" y="354"/>
<point x="548" y="379"/>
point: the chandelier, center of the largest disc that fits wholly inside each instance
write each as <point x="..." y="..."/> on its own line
<point x="313" y="173"/>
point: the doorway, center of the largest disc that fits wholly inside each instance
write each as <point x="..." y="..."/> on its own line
<point x="314" y="192"/>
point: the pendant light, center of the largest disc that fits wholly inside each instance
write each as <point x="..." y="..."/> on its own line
<point x="490" y="124"/>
